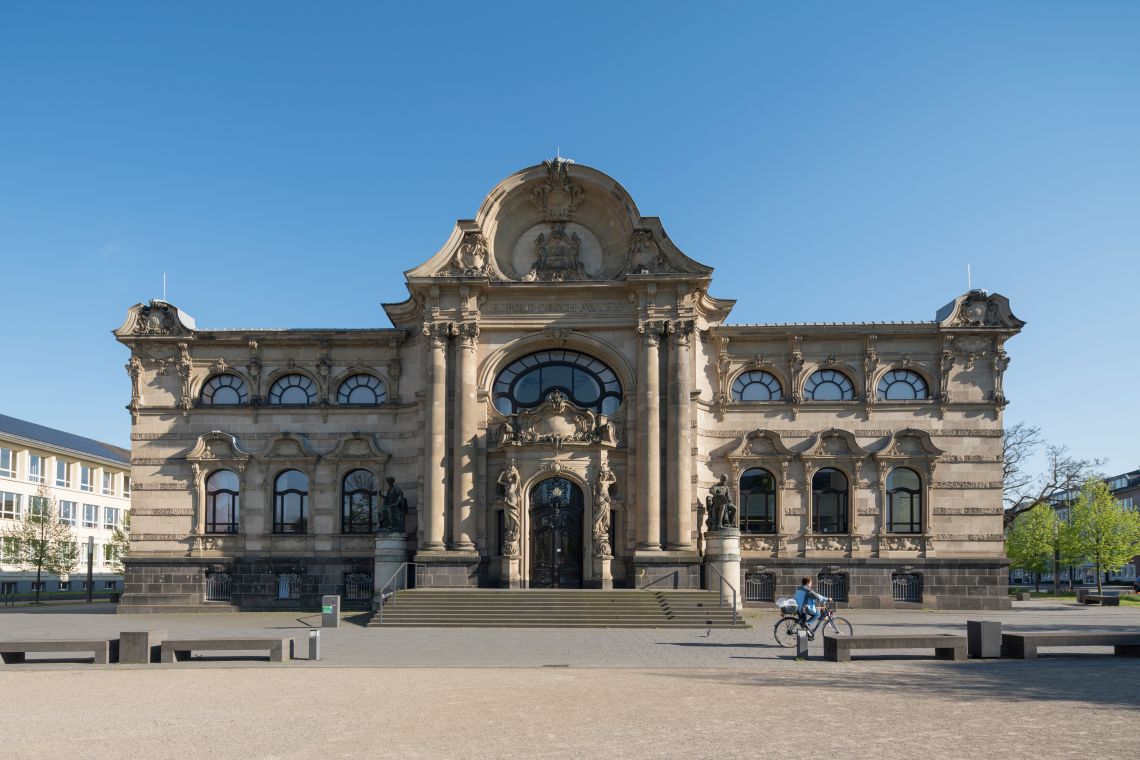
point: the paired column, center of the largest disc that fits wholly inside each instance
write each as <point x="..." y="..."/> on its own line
<point x="679" y="523"/>
<point x="649" y="439"/>
<point x="432" y="503"/>
<point x="466" y="429"/>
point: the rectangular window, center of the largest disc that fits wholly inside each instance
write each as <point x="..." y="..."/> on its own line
<point x="38" y="505"/>
<point x="126" y="486"/>
<point x="7" y="463"/>
<point x="39" y="586"/>
<point x="67" y="510"/>
<point x="110" y="554"/>
<point x="9" y="506"/>
<point x="108" y="484"/>
<point x="65" y="585"/>
<point x="86" y="478"/>
<point x="71" y="550"/>
<point x="110" y="517"/>
<point x="35" y="468"/>
<point x="9" y="549"/>
<point x="62" y="474"/>
<point x="7" y="587"/>
<point x="110" y="585"/>
<point x="90" y="516"/>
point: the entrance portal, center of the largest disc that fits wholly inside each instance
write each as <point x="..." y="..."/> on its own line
<point x="556" y="534"/>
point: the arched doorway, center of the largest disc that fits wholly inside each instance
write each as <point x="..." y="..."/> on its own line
<point x="556" y="507"/>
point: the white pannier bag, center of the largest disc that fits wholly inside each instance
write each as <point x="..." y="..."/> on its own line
<point x="787" y="605"/>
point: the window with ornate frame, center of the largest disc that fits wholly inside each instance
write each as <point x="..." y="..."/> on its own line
<point x="291" y="502"/>
<point x="293" y="390"/>
<point x="223" y="390"/>
<point x="902" y="385"/>
<point x="904" y="501"/>
<point x="361" y="390"/>
<point x="829" y="385"/>
<point x="829" y="501"/>
<point x="584" y="380"/>
<point x="757" y="385"/>
<point x="223" y="497"/>
<point x="757" y="501"/>
<point x="358" y="501"/>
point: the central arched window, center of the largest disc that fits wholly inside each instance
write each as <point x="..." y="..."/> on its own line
<point x="829" y="385"/>
<point x="291" y="502"/>
<point x="293" y="390"/>
<point x="902" y="385"/>
<point x="221" y="390"/>
<point x="829" y="501"/>
<point x="757" y="386"/>
<point x="222" y="492"/>
<point x="584" y="380"/>
<point x="904" y="501"/>
<point x="361" y="390"/>
<point x="358" y="502"/>
<point x="757" y="501"/>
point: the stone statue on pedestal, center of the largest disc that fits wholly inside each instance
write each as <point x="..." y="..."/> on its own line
<point x="606" y="479"/>
<point x="721" y="512"/>
<point x="393" y="509"/>
<point x="510" y="493"/>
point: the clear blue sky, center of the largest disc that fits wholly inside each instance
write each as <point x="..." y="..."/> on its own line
<point x="285" y="162"/>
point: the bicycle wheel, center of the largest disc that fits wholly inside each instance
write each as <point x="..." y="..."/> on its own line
<point x="785" y="631"/>
<point x="837" y="627"/>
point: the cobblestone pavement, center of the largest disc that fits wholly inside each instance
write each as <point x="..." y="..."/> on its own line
<point x="612" y="693"/>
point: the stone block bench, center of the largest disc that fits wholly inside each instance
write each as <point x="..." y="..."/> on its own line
<point x="102" y="650"/>
<point x="1104" y="600"/>
<point x="180" y="649"/>
<point x="945" y="646"/>
<point x="1024" y="646"/>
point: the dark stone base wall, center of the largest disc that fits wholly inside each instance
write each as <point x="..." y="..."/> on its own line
<point x="450" y="573"/>
<point x="947" y="584"/>
<point x="647" y="569"/>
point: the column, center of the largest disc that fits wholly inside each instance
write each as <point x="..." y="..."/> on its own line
<point x="649" y="443"/>
<point x="432" y="506"/>
<point x="678" y="487"/>
<point x="463" y="451"/>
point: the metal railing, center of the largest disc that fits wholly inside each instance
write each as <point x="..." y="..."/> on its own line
<point x="218" y="587"/>
<point x="906" y="587"/>
<point x="389" y="588"/>
<point x="675" y="575"/>
<point x="358" y="587"/>
<point x="833" y="586"/>
<point x="288" y="586"/>
<point x="760" y="587"/>
<point x="724" y="582"/>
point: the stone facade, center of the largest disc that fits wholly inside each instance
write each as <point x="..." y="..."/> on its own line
<point x="635" y="411"/>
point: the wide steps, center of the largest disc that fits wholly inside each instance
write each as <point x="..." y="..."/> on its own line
<point x="502" y="608"/>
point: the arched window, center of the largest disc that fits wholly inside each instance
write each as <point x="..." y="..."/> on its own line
<point x="222" y="492"/>
<point x="361" y="389"/>
<point x="904" y="501"/>
<point x="757" y="501"/>
<point x="292" y="390"/>
<point x="829" y="502"/>
<point x="583" y="379"/>
<point x="358" y="502"/>
<point x="757" y="386"/>
<point x="291" y="502"/>
<point x="829" y="385"/>
<point x="222" y="390"/>
<point x="902" y="385"/>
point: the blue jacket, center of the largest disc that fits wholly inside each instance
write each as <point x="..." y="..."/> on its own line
<point x="806" y="598"/>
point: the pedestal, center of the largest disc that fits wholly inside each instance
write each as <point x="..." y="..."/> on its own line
<point x="722" y="551"/>
<point x="603" y="575"/>
<point x="391" y="552"/>
<point x="509" y="574"/>
<point x="984" y="638"/>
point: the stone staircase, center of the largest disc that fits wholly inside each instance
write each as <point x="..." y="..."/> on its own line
<point x="570" y="608"/>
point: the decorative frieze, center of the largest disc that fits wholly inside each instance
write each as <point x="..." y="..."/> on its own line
<point x="992" y="511"/>
<point x="144" y="486"/>
<point x="162" y="512"/>
<point x="149" y="537"/>
<point x="966" y="485"/>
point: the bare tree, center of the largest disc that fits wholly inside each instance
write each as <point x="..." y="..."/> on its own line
<point x="1022" y="488"/>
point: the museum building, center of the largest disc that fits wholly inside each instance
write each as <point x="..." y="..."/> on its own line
<point x="554" y="401"/>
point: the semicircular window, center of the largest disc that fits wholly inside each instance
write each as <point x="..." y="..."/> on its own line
<point x="584" y="380"/>
<point x="292" y="390"/>
<point x="757" y="386"/>
<point x="361" y="389"/>
<point x="221" y="390"/>
<point x="829" y="385"/>
<point x="902" y="385"/>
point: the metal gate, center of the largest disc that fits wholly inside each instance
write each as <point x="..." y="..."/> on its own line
<point x="288" y="586"/>
<point x="218" y="587"/>
<point x="358" y="587"/>
<point x="906" y="587"/>
<point x="760" y="587"/>
<point x="833" y="586"/>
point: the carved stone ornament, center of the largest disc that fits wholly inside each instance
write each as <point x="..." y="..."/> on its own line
<point x="557" y="257"/>
<point x="358" y="446"/>
<point x="470" y="259"/>
<point x="905" y="543"/>
<point x="557" y="422"/>
<point x="827" y="543"/>
<point x="644" y="255"/>
<point x="978" y="308"/>
<point x="159" y="318"/>
<point x="763" y="543"/>
<point x="834" y="443"/>
<point x="909" y="443"/>
<point x="290" y="446"/>
<point x="557" y="196"/>
<point x="218" y="446"/>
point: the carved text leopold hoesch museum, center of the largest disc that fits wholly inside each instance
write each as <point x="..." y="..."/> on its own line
<point x="556" y="398"/>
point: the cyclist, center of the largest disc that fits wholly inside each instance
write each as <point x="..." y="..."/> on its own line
<point x="806" y="599"/>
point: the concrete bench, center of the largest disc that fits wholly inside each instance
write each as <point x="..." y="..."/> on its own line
<point x="103" y="650"/>
<point x="1104" y="600"/>
<point x="180" y="649"/>
<point x="1024" y="646"/>
<point x="945" y="646"/>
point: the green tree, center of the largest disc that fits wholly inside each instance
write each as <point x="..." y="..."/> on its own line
<point x="120" y="542"/>
<point x="39" y="541"/>
<point x="1030" y="541"/>
<point x="1101" y="530"/>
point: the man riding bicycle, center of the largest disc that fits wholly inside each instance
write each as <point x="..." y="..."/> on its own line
<point x="806" y="599"/>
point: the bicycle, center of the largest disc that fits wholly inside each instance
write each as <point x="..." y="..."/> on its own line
<point x="788" y="627"/>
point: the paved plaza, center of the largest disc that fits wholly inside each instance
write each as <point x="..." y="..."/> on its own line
<point x="556" y="693"/>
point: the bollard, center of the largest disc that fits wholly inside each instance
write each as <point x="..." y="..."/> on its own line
<point x="330" y="611"/>
<point x="801" y="645"/>
<point x="315" y="644"/>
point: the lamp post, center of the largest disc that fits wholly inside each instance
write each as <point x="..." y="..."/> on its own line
<point x="90" y="564"/>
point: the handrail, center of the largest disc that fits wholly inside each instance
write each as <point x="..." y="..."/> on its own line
<point x="675" y="575"/>
<point x="388" y="583"/>
<point x="725" y="582"/>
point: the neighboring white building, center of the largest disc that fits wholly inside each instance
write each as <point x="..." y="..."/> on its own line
<point x="91" y="484"/>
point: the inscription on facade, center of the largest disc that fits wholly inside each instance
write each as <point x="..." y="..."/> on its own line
<point x="560" y="307"/>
